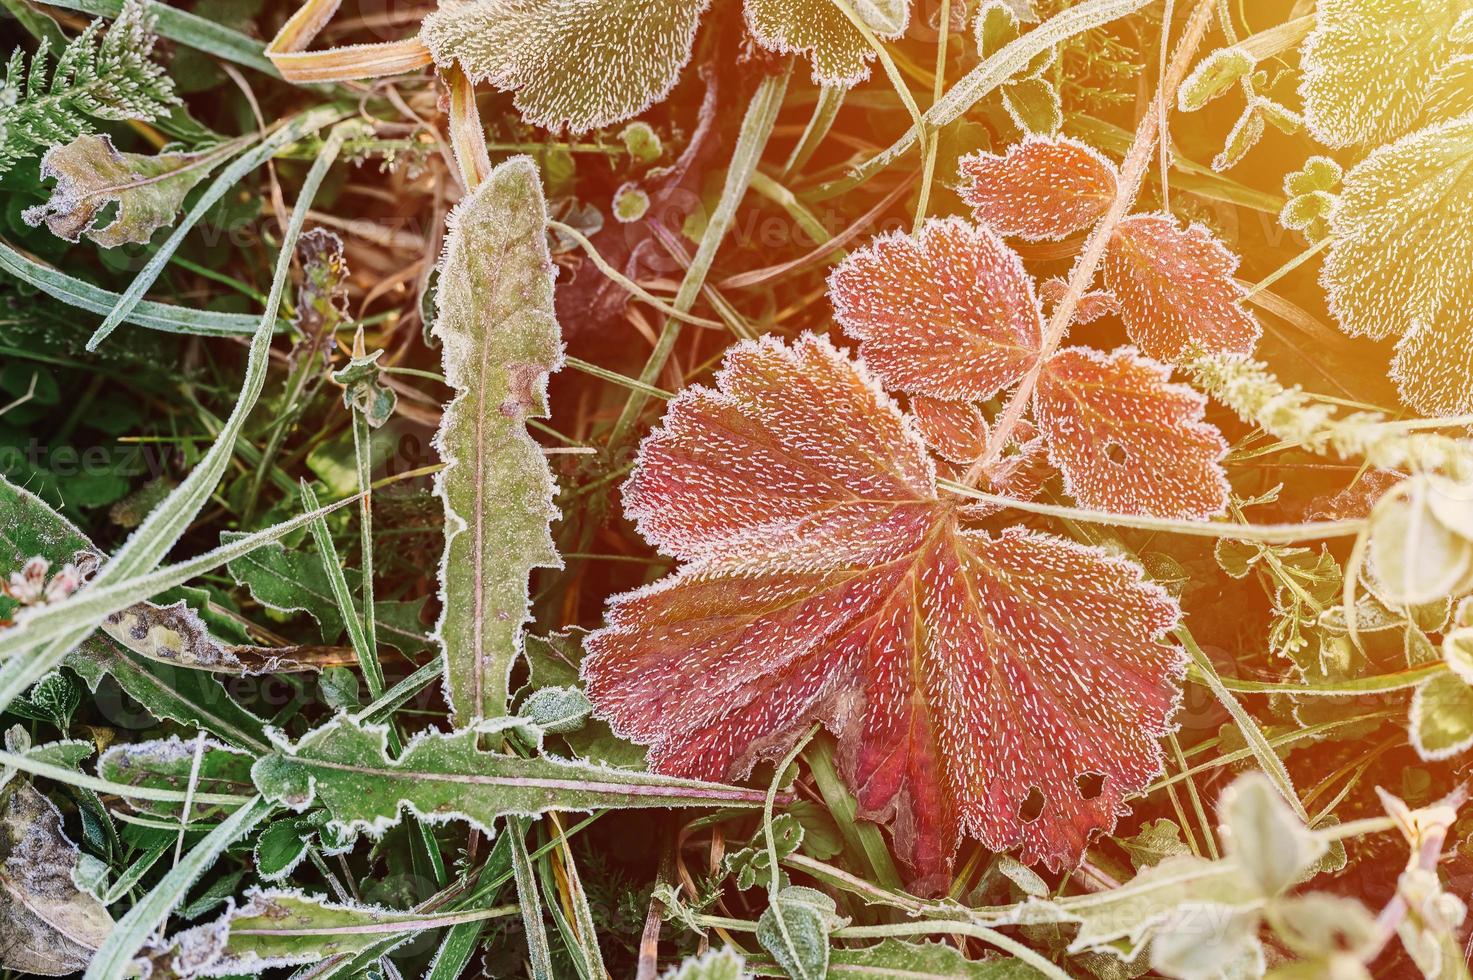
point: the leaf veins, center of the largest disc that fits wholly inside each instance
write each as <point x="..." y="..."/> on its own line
<point x="824" y="580"/>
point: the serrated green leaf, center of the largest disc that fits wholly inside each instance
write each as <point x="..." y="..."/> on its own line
<point x="345" y="766"/>
<point x="715" y="964"/>
<point x="500" y="340"/>
<point x="795" y="929"/>
<point x="570" y="63"/>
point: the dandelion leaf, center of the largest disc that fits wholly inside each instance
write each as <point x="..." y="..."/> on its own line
<point x="345" y="766"/>
<point x="1371" y="66"/>
<point x="91" y="174"/>
<point x="1126" y="439"/>
<point x="823" y="580"/>
<point x="948" y="313"/>
<point x="579" y="64"/>
<point x="169" y="763"/>
<point x="1397" y="264"/>
<point x="500" y="340"/>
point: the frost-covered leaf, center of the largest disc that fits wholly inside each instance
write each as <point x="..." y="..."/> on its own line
<point x="1033" y="105"/>
<point x="1415" y="555"/>
<point x="922" y="961"/>
<point x="1441" y="720"/>
<point x="91" y="174"/>
<point x="283" y="928"/>
<point x="346" y="766"/>
<point x="48" y="926"/>
<point x="500" y="340"/>
<point x="280" y="847"/>
<point x="168" y="764"/>
<point x="825" y="580"/>
<point x="818" y="30"/>
<point x="364" y="390"/>
<point x="1369" y="66"/>
<point x="714" y="964"/>
<point x="1212" y="76"/>
<point x="175" y="634"/>
<point x="1176" y="289"/>
<point x="1457" y="652"/>
<point x="1398" y="256"/>
<point x="1126" y="439"/>
<point x="575" y="63"/>
<point x="955" y="430"/>
<point x="1266" y="838"/>
<point x="1040" y="189"/>
<point x="948" y="313"/>
<point x="1208" y="942"/>
<point x="795" y="929"/>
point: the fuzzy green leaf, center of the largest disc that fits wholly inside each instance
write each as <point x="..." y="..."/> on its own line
<point x="500" y="341"/>
<point x="922" y="961"/>
<point x="795" y="930"/>
<point x="715" y="964"/>
<point x="572" y="63"/>
<point x="1442" y="717"/>
<point x="168" y="764"/>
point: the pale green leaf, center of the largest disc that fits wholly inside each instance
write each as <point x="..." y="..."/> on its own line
<point x="1370" y="66"/>
<point x="48" y="926"/>
<point x="1415" y="557"/>
<point x="346" y="766"/>
<point x="500" y="341"/>
<point x="575" y="63"/>
<point x="90" y="174"/>
<point x="1264" y="836"/>
<point x="1208" y="942"/>
<point x="1212" y="76"/>
<point x="1442" y="717"/>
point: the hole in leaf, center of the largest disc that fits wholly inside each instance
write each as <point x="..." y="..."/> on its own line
<point x="1032" y="807"/>
<point x="1091" y="784"/>
<point x="1116" y="453"/>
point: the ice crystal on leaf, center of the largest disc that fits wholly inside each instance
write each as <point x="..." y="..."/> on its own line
<point x="824" y="580"/>
<point x="1176" y="289"/>
<point x="1174" y="286"/>
<point x="821" y="31"/>
<point x="1372" y="67"/>
<point x="1126" y="439"/>
<point x="544" y="52"/>
<point x="948" y="313"/>
<point x="1398" y="260"/>
<point x="951" y="315"/>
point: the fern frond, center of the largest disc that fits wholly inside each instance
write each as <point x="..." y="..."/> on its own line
<point x="100" y="74"/>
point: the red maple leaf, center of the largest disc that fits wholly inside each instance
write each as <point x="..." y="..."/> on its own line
<point x="965" y="675"/>
<point x="1173" y="285"/>
<point x="951" y="315"/>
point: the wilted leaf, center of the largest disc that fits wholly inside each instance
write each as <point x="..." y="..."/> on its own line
<point x="825" y="580"/>
<point x="48" y="926"/>
<point x="345" y="766"/>
<point x="1040" y="189"/>
<point x="575" y="63"/>
<point x="1176" y="289"/>
<point x="500" y="340"/>
<point x="819" y="30"/>
<point x="948" y="313"/>
<point x="168" y="764"/>
<point x="1370" y="66"/>
<point x="90" y="174"/>
<point x="1127" y="440"/>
